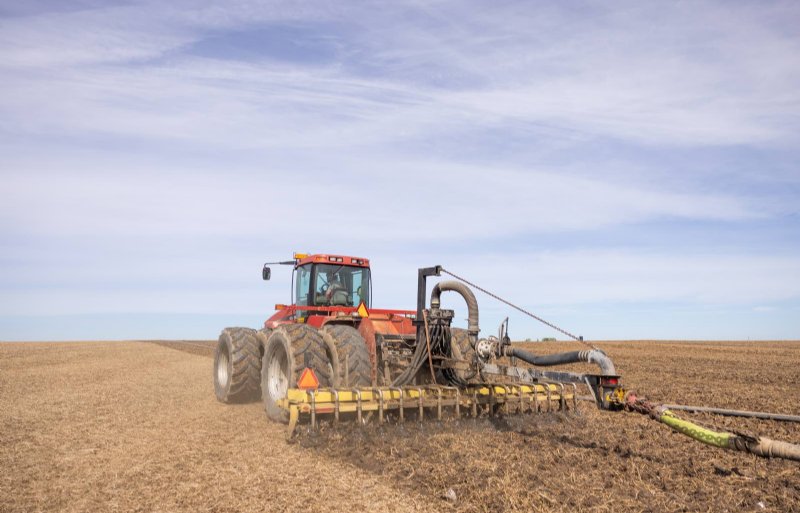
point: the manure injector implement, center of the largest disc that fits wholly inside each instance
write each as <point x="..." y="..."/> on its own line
<point x="331" y="356"/>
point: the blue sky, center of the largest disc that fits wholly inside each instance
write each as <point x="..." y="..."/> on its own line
<point x="627" y="170"/>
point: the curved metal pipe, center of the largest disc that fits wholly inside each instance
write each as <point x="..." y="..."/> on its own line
<point x="472" y="303"/>
<point x="602" y="360"/>
<point x="594" y="356"/>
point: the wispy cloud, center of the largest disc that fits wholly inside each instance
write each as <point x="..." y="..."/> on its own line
<point x="411" y="71"/>
<point x="470" y="202"/>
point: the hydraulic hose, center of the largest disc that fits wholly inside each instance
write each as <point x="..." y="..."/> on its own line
<point x="472" y="304"/>
<point x="594" y="356"/>
<point x="418" y="358"/>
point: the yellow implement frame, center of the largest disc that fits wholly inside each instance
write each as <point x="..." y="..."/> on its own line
<point x="308" y="405"/>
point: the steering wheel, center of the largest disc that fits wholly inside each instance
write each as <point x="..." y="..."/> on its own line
<point x="324" y="288"/>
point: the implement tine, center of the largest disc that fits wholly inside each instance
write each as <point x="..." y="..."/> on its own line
<point x="507" y="390"/>
<point x="357" y="392"/>
<point x="562" y="403"/>
<point x="421" y="405"/>
<point x="549" y="399"/>
<point x="380" y="404"/>
<point x="294" y="415"/>
<point x="335" y="405"/>
<point x="521" y="401"/>
<point x="458" y="399"/>
<point x="400" y="392"/>
<point x="574" y="397"/>
<point x="313" y="394"/>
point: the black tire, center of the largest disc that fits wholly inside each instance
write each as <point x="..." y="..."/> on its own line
<point x="289" y="350"/>
<point x="237" y="366"/>
<point x="262" y="335"/>
<point x="355" y="366"/>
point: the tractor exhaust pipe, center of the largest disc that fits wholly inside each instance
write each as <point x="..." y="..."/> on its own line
<point x="594" y="356"/>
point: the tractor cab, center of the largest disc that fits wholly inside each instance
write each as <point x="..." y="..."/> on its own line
<point x="332" y="284"/>
<point x="329" y="280"/>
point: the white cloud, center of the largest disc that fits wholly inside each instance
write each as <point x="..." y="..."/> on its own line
<point x="764" y="309"/>
<point x="415" y="200"/>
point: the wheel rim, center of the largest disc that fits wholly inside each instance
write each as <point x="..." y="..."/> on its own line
<point x="278" y="375"/>
<point x="222" y="368"/>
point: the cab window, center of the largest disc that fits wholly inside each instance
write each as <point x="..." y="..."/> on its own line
<point x="303" y="285"/>
<point x="340" y="285"/>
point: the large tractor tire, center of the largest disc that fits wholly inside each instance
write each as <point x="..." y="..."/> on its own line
<point x="355" y="367"/>
<point x="262" y="335"/>
<point x="289" y="350"/>
<point x="237" y="366"/>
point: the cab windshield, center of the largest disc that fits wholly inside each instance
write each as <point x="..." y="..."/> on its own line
<point x="332" y="285"/>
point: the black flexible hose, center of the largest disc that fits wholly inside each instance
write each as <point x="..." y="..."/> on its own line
<point x="593" y="356"/>
<point x="417" y="359"/>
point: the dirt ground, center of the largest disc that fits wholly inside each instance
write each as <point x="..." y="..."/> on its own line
<point x="131" y="426"/>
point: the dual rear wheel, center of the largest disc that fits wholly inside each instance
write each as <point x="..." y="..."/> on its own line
<point x="249" y="364"/>
<point x="289" y="350"/>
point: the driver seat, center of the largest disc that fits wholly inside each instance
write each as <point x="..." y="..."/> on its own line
<point x="340" y="297"/>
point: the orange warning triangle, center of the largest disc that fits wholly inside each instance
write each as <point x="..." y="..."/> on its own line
<point x="362" y="310"/>
<point x="308" y="380"/>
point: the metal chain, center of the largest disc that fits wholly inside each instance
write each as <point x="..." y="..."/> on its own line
<point x="529" y="314"/>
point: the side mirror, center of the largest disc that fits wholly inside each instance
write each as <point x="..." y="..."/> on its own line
<point x="266" y="273"/>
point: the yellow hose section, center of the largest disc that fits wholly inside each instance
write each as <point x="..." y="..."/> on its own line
<point x="692" y="430"/>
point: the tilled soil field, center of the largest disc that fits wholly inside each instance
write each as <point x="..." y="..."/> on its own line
<point x="130" y="426"/>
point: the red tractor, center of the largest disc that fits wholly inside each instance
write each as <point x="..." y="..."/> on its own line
<point x="329" y="328"/>
<point x="330" y="338"/>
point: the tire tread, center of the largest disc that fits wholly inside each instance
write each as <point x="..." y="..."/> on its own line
<point x="245" y="372"/>
<point x="351" y="350"/>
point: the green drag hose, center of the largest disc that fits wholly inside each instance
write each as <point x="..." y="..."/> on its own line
<point x="759" y="446"/>
<point x="692" y="430"/>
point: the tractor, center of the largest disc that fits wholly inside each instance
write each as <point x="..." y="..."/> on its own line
<point x="331" y="354"/>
